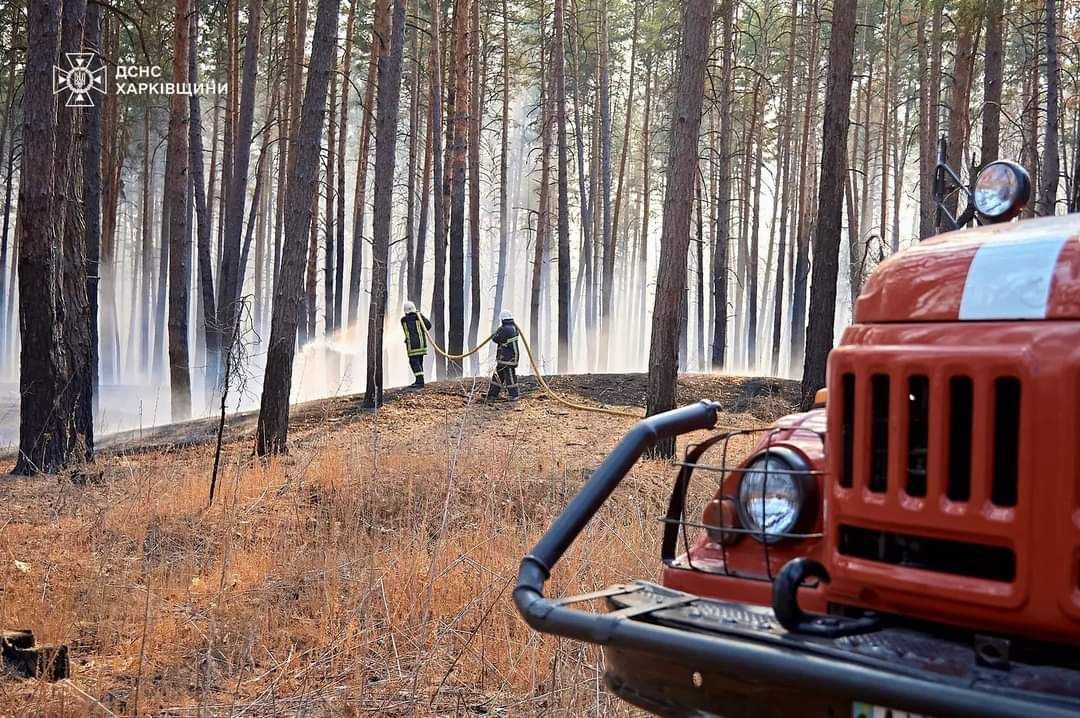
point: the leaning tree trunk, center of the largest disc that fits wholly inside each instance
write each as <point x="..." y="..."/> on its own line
<point x="830" y="211"/>
<point x="386" y="125"/>
<point x="273" y="427"/>
<point x="229" y="283"/>
<point x="675" y="236"/>
<point x="179" y="238"/>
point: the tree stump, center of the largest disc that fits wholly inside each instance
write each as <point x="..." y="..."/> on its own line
<point x="21" y="658"/>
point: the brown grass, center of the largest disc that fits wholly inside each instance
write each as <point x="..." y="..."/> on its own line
<point x="369" y="572"/>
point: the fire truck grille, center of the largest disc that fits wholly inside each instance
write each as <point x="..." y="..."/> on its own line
<point x="959" y="558"/>
<point x="911" y="402"/>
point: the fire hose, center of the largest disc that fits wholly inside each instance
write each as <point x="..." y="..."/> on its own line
<point x="536" y="370"/>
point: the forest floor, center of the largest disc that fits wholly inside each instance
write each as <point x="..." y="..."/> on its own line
<point x="367" y="572"/>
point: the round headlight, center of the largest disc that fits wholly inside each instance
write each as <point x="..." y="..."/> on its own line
<point x="1001" y="190"/>
<point x="773" y="496"/>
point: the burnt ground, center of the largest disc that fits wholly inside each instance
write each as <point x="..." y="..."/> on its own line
<point x="759" y="397"/>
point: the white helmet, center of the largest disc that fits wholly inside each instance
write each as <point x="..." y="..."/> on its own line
<point x="410" y="307"/>
<point x="506" y="316"/>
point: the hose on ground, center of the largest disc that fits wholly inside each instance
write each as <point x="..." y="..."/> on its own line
<point x="536" y="370"/>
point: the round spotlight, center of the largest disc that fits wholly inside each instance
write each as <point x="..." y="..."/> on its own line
<point x="1001" y="191"/>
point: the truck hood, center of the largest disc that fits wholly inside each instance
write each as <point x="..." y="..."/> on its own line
<point x="1014" y="271"/>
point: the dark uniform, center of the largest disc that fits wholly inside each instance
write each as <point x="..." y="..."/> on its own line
<point x="415" y="343"/>
<point x="506" y="361"/>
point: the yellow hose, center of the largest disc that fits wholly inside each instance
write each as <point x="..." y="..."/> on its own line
<point x="551" y="392"/>
<point x="536" y="370"/>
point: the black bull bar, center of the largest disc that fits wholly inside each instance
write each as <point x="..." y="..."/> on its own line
<point x="788" y="660"/>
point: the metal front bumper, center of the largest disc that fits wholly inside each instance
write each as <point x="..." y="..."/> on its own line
<point x="677" y="654"/>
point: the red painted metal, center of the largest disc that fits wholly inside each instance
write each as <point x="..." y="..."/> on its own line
<point x="747" y="556"/>
<point x="926" y="282"/>
<point x="1042" y="529"/>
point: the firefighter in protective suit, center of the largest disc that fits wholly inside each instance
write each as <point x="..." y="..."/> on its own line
<point x="506" y="359"/>
<point x="415" y="342"/>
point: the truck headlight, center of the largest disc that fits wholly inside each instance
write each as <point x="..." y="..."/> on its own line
<point x="1001" y="190"/>
<point x="775" y="495"/>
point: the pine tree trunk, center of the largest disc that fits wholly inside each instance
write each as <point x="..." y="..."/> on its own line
<point x="992" y="81"/>
<point x="92" y="167"/>
<point x="176" y="186"/>
<point x="785" y="197"/>
<point x="682" y="176"/>
<point x="929" y="100"/>
<point x="960" y="98"/>
<point x="410" y="181"/>
<point x="416" y="281"/>
<point x="329" y="253"/>
<point x="646" y="192"/>
<point x="504" y="152"/>
<point x="389" y="96"/>
<point x="202" y="215"/>
<point x="829" y="211"/>
<point x="801" y="240"/>
<point x="438" y="284"/>
<point x="475" y="121"/>
<point x="343" y="125"/>
<point x="459" y="122"/>
<point x="229" y="286"/>
<point x="723" y="196"/>
<point x="1048" y="173"/>
<point x="379" y="33"/>
<point x="273" y="427"/>
<point x="559" y="65"/>
<point x="46" y="435"/>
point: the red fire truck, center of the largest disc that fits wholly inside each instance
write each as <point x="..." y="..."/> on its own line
<point x="910" y="547"/>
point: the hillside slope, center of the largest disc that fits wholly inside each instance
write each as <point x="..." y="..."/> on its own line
<point x="368" y="571"/>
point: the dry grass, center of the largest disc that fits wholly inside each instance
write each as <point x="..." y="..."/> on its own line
<point x="369" y="572"/>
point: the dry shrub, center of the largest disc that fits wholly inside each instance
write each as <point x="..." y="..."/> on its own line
<point x="370" y="571"/>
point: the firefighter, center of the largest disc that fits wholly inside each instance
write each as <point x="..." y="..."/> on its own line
<point x="506" y="359"/>
<point x="415" y="342"/>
